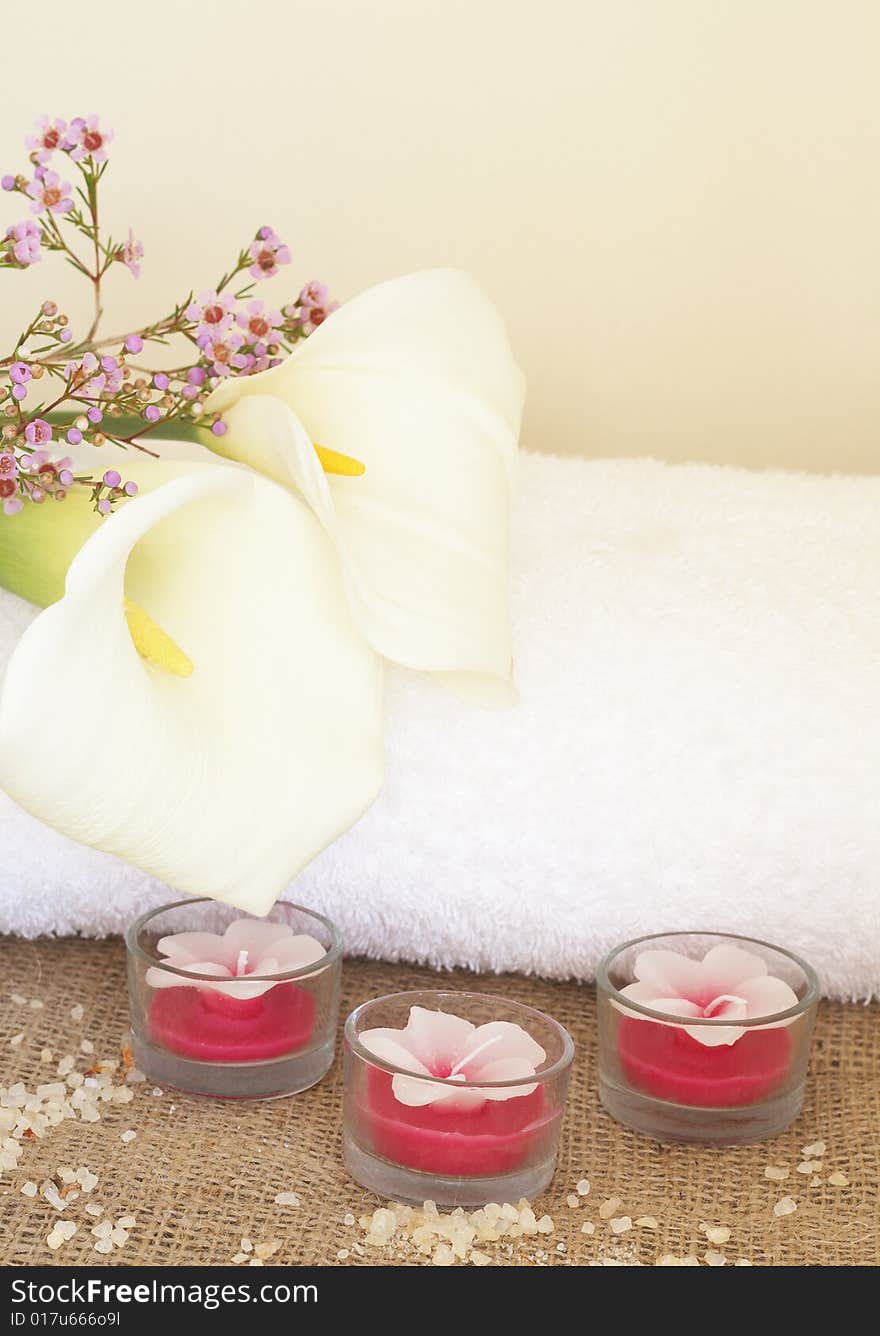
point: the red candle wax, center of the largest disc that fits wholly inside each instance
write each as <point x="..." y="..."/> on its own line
<point x="214" y="1027"/>
<point x="664" y="1060"/>
<point x="493" y="1138"/>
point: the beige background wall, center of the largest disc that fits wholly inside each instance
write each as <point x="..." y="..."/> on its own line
<point x="675" y="202"/>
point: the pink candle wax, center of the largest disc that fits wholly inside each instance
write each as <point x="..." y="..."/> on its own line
<point x="715" y="1065"/>
<point x="492" y="1139"/>
<point x="199" y="1023"/>
<point x="232" y="1011"/>
<point x="665" y="1061"/>
<point x="480" y="1112"/>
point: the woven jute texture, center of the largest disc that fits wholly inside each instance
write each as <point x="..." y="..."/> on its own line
<point x="199" y="1175"/>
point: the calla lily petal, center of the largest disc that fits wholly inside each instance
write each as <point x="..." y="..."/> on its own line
<point x="229" y="781"/>
<point x="414" y="378"/>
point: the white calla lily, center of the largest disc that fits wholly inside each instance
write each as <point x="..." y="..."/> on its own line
<point x="416" y="380"/>
<point x="227" y="781"/>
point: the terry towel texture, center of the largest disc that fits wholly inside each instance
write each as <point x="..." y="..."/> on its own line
<point x="696" y="744"/>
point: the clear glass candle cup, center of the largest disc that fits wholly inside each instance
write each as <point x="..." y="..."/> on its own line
<point x="661" y="1074"/>
<point x="495" y="1149"/>
<point x="230" y="1044"/>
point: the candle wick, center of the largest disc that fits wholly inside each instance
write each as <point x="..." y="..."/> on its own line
<point x="469" y="1057"/>
<point x="241" y="964"/>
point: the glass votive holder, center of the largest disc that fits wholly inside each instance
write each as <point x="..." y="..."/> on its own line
<point x="704" y="1037"/>
<point x="455" y="1098"/>
<point x="233" y="1006"/>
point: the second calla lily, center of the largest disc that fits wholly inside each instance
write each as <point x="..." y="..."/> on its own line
<point x="226" y="714"/>
<point x="416" y="380"/>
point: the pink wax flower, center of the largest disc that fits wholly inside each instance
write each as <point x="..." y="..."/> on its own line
<point x="47" y="137"/>
<point x="221" y="349"/>
<point x="314" y="306"/>
<point x="438" y="1044"/>
<point x="130" y="254"/>
<point x="24" y="239"/>
<point x="212" y="310"/>
<point x="48" y="191"/>
<point x="259" y="324"/>
<point x="86" y="139"/>
<point x="267" y="252"/>
<point x="247" y="947"/>
<point x="727" y="984"/>
<point x="38" y="432"/>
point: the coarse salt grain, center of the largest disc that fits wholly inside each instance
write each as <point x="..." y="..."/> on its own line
<point x="714" y="1258"/>
<point x="103" y="1230"/>
<point x="239" y="1257"/>
<point x="608" y="1207"/>
<point x="36" y="1004"/>
<point x="787" y="1206"/>
<point x="87" y="1046"/>
<point x="348" y="1218"/>
<point x="743" y="1261"/>
<point x="817" y="1148"/>
<point x="128" y="1136"/>
<point x="583" y="1187"/>
<point x="104" y="1246"/>
<point x="94" y="1209"/>
<point x="18" y="998"/>
<point x="127" y="1222"/>
<point x="716" y="1233"/>
<point x="620" y="1224"/>
<point x="588" y="1227"/>
<point x="647" y="1222"/>
<point x="29" y="1189"/>
<point x="573" y="1201"/>
<point x="809" y="1166"/>
<point x="77" y="1012"/>
<point x="289" y="1199"/>
<point x="838" y="1180"/>
<point x="776" y="1172"/>
<point x="343" y="1255"/>
<point x="46" y="1055"/>
<point x="17" y="1040"/>
<point x="479" y="1258"/>
<point x="246" y="1245"/>
<point x="545" y="1225"/>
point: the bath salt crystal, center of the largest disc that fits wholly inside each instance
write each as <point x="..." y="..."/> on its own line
<point x="119" y="1236"/>
<point x="126" y="1222"/>
<point x="776" y="1172"/>
<point x="289" y="1199"/>
<point x="717" y="1233"/>
<point x="588" y="1227"/>
<point x="157" y="1090"/>
<point x="545" y="1225"/>
<point x="77" y="1012"/>
<point x="620" y="1224"/>
<point x="573" y="1201"/>
<point x="65" y="1173"/>
<point x="53" y="1197"/>
<point x="348" y="1218"/>
<point x="36" y="1004"/>
<point x="86" y="1179"/>
<point x="128" y="1136"/>
<point x="66" y="1228"/>
<point x="94" y="1209"/>
<point x="743" y="1261"/>
<point x="239" y="1257"/>
<point x="87" y="1046"/>
<point x="17" y="1040"/>
<point x="583" y="1187"/>
<point x="18" y="998"/>
<point x="266" y="1250"/>
<point x="714" y="1258"/>
<point x="256" y="1261"/>
<point x="66" y="1064"/>
<point x="443" y="1255"/>
<point x="787" y="1206"/>
<point x="647" y="1222"/>
<point x="54" y="1240"/>
<point x="246" y="1246"/>
<point x="838" y="1180"/>
<point x="608" y="1207"/>
<point x="29" y="1189"/>
<point x="46" y="1055"/>
<point x="104" y="1246"/>
<point x="103" y="1230"/>
<point x="816" y="1149"/>
<point x="478" y="1258"/>
<point x="809" y="1166"/>
<point x="135" y="1076"/>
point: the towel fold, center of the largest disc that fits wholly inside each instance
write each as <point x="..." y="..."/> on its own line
<point x="695" y="744"/>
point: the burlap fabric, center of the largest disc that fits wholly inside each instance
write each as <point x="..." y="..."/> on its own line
<point x="199" y="1176"/>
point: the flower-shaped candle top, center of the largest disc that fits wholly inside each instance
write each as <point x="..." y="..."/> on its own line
<point x="247" y="947"/>
<point x="728" y="983"/>
<point x="438" y="1044"/>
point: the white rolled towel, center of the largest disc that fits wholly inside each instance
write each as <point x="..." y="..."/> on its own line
<point x="695" y="745"/>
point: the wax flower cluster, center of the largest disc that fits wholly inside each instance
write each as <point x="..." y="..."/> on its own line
<point x="58" y="389"/>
